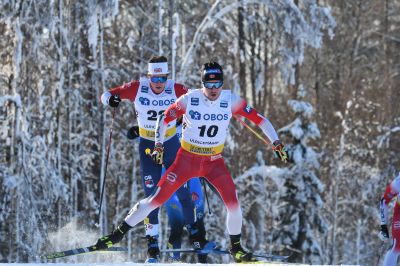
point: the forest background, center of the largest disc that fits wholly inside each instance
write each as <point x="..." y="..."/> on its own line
<point x="326" y="74"/>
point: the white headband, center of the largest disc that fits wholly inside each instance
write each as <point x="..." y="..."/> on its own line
<point x="158" y="68"/>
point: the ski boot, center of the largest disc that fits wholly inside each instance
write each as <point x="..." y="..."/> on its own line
<point x="174" y="256"/>
<point x="241" y="255"/>
<point x="116" y="236"/>
<point x="200" y="243"/>
<point x="153" y="252"/>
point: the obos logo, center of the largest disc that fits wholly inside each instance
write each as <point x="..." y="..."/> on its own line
<point x="163" y="102"/>
<point x="214" y="117"/>
<point x="144" y="101"/>
<point x="194" y="115"/>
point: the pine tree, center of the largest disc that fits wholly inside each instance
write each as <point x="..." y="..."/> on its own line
<point x="302" y="217"/>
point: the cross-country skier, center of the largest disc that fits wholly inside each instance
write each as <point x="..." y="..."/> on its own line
<point x="392" y="191"/>
<point x="151" y="96"/>
<point x="173" y="206"/>
<point x="206" y="115"/>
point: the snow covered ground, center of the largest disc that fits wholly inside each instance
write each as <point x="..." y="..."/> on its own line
<point x="118" y="264"/>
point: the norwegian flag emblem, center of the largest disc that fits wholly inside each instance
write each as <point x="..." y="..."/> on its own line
<point x="149" y="183"/>
<point x="158" y="70"/>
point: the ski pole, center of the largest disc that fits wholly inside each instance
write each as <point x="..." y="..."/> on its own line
<point x="252" y="130"/>
<point x="107" y="156"/>
<point x="206" y="194"/>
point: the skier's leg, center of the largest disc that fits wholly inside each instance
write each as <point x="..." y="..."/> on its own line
<point x="196" y="228"/>
<point x="169" y="183"/>
<point x="197" y="197"/>
<point x="198" y="200"/>
<point x="175" y="219"/>
<point x="150" y="173"/>
<point x="171" y="148"/>
<point x="219" y="177"/>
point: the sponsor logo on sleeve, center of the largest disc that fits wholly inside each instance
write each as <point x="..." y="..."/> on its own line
<point x="171" y="177"/>
<point x="168" y="90"/>
<point x="247" y="109"/>
<point x="194" y="115"/>
<point x="396" y="224"/>
<point x="194" y="101"/>
<point x="195" y="196"/>
<point x="144" y="89"/>
<point x="144" y="101"/>
<point x="172" y="113"/>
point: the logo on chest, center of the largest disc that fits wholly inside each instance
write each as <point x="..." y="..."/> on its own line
<point x="195" y="115"/>
<point x="161" y="102"/>
<point x="144" y="101"/>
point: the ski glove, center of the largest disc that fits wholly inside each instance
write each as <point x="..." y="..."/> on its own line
<point x="114" y="101"/>
<point x="279" y="150"/>
<point x="158" y="153"/>
<point x="133" y="132"/>
<point x="384" y="233"/>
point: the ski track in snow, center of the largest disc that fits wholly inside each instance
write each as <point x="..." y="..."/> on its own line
<point x="132" y="263"/>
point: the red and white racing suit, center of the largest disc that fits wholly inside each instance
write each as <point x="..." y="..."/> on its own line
<point x="392" y="191"/>
<point x="205" y="125"/>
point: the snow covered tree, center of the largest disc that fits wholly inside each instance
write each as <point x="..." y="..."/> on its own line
<point x="302" y="217"/>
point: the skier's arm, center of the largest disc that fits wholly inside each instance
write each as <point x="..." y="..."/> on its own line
<point x="174" y="111"/>
<point x="240" y="107"/>
<point x="391" y="191"/>
<point x="180" y="90"/>
<point x="127" y="91"/>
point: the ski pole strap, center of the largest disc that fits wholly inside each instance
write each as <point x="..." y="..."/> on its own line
<point x="252" y="130"/>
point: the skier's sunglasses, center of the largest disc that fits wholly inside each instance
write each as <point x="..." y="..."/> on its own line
<point x="160" y="79"/>
<point x="213" y="85"/>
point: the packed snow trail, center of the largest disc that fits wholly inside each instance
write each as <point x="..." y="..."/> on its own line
<point x="135" y="264"/>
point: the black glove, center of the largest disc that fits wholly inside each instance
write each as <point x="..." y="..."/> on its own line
<point x="384" y="233"/>
<point x="280" y="151"/>
<point x="133" y="132"/>
<point x="114" y="101"/>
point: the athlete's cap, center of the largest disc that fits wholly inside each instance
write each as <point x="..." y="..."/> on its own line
<point x="212" y="71"/>
<point x="159" y="68"/>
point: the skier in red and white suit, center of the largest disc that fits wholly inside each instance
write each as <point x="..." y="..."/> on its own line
<point x="391" y="192"/>
<point x="206" y="116"/>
